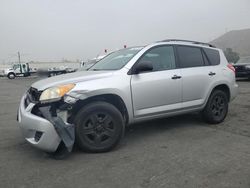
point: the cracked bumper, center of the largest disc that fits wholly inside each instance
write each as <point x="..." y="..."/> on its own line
<point x="38" y="131"/>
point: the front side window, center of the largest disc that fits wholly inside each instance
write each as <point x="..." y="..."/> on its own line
<point x="190" y="56"/>
<point x="115" y="60"/>
<point x="162" y="58"/>
<point x="16" y="67"/>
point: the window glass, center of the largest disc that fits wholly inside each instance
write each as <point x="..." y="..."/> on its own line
<point x="16" y="67"/>
<point x="190" y="56"/>
<point x="116" y="60"/>
<point x="162" y="58"/>
<point x="213" y="56"/>
<point x="205" y="59"/>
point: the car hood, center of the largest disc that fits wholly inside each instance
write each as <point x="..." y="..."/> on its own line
<point x="8" y="69"/>
<point x="70" y="78"/>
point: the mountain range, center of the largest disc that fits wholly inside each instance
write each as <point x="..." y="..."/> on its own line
<point x="238" y="40"/>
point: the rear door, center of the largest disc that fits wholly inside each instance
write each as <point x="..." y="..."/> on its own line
<point x="159" y="90"/>
<point x="196" y="75"/>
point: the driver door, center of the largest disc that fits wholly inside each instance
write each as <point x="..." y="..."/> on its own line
<point x="157" y="91"/>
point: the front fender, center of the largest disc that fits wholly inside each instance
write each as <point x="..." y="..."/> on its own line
<point x="74" y="96"/>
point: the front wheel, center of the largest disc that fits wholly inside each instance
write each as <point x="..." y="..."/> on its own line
<point x="11" y="75"/>
<point x="216" y="108"/>
<point x="99" y="127"/>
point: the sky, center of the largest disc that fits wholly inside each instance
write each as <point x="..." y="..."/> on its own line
<point x="52" y="30"/>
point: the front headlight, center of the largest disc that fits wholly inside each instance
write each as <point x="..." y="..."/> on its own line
<point x="55" y="93"/>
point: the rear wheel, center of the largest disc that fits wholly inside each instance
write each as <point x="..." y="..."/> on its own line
<point x="99" y="127"/>
<point x="11" y="75"/>
<point x="216" y="108"/>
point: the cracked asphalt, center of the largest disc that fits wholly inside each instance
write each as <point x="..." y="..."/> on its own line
<point x="180" y="151"/>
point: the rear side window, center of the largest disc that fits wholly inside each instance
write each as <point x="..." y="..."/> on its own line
<point x="190" y="56"/>
<point x="213" y="56"/>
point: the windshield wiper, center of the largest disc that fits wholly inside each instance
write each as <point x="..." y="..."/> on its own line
<point x="94" y="69"/>
<point x="101" y="69"/>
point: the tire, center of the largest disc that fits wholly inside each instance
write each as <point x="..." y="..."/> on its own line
<point x="99" y="127"/>
<point x="216" y="108"/>
<point x="11" y="75"/>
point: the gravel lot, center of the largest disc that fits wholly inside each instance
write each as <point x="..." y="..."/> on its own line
<point x="181" y="151"/>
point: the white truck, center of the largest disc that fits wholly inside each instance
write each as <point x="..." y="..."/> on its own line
<point x="19" y="69"/>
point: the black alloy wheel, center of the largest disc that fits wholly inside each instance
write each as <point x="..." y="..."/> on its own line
<point x="99" y="127"/>
<point x="216" y="108"/>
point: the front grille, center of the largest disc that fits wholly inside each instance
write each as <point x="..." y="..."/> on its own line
<point x="33" y="95"/>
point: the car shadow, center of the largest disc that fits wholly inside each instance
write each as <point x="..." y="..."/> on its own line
<point x="141" y="131"/>
<point x="149" y="128"/>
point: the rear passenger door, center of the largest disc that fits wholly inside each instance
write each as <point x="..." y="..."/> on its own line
<point x="196" y="75"/>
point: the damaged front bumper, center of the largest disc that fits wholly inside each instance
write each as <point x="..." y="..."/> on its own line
<point x="44" y="130"/>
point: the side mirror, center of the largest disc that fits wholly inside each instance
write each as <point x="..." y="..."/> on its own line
<point x="143" y="66"/>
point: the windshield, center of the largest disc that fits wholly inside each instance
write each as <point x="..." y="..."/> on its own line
<point x="87" y="65"/>
<point x="116" y="60"/>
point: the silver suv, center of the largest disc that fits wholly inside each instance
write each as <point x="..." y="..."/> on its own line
<point x="92" y="107"/>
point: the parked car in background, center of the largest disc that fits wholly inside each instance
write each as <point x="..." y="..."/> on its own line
<point x="242" y="68"/>
<point x="54" y="71"/>
<point x="166" y="78"/>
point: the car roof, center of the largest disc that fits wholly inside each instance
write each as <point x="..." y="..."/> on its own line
<point x="186" y="42"/>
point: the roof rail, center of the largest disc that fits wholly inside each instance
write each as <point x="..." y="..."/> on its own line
<point x="190" y="41"/>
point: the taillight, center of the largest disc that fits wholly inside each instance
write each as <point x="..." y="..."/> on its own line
<point x="231" y="67"/>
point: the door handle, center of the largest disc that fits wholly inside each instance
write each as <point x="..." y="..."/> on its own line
<point x="211" y="73"/>
<point x="176" y="77"/>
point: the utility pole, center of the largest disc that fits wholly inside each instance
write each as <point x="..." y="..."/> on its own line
<point x="19" y="59"/>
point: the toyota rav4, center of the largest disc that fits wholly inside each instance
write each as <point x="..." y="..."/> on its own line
<point x="91" y="108"/>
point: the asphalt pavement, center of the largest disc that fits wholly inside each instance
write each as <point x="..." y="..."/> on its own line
<point x="181" y="151"/>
